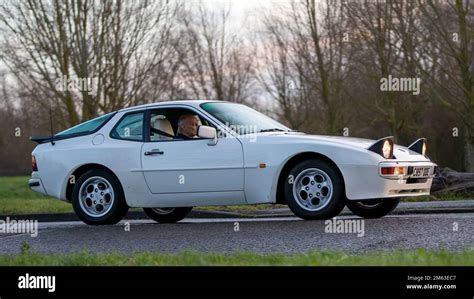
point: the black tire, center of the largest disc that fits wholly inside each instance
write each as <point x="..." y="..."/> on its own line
<point x="167" y="215"/>
<point x="373" y="208"/>
<point x="330" y="207"/>
<point x="117" y="208"/>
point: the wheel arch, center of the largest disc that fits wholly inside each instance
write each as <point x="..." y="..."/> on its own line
<point x="78" y="172"/>
<point x="280" y="192"/>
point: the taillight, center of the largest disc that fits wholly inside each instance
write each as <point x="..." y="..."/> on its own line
<point x="34" y="167"/>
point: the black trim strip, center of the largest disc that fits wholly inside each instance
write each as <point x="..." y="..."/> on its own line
<point x="146" y="126"/>
<point x="33" y="184"/>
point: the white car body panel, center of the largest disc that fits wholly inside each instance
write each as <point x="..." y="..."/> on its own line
<point x="227" y="173"/>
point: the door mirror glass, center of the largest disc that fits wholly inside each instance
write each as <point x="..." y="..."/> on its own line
<point x="208" y="133"/>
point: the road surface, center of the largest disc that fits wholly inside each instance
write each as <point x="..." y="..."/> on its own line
<point x="280" y="234"/>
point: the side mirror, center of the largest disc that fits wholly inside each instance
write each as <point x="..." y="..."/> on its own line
<point x="208" y="133"/>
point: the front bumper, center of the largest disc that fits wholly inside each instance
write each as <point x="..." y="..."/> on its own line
<point x="415" y="181"/>
<point x="367" y="182"/>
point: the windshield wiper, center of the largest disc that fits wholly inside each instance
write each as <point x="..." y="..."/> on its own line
<point x="272" y="130"/>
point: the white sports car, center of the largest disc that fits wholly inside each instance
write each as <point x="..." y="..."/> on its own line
<point x="137" y="157"/>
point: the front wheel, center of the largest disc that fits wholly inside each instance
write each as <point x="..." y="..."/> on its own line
<point x="167" y="215"/>
<point x="314" y="189"/>
<point x="373" y="208"/>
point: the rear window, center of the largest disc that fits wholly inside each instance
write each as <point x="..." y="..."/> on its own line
<point x="87" y="127"/>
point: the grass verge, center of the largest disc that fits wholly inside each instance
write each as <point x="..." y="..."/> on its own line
<point x="17" y="198"/>
<point x="419" y="257"/>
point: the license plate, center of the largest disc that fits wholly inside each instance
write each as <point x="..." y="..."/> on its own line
<point x="420" y="172"/>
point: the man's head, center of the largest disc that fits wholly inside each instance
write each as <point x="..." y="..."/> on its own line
<point x="188" y="125"/>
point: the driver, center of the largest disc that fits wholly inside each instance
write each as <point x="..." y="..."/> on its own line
<point x="187" y="126"/>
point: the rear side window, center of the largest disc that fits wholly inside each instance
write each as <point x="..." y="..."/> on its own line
<point x="87" y="127"/>
<point x="130" y="127"/>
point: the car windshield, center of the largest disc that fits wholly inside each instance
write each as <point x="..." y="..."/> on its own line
<point x="242" y="119"/>
<point x="88" y="126"/>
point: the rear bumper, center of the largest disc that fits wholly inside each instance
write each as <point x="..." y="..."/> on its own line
<point x="366" y="182"/>
<point x="36" y="184"/>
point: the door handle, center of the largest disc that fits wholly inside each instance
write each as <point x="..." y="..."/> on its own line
<point x="154" y="152"/>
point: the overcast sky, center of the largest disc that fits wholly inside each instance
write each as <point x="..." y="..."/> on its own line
<point x="243" y="12"/>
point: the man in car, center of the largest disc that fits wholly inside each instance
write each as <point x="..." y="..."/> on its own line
<point x="187" y="126"/>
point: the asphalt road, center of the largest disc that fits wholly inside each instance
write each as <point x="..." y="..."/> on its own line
<point x="284" y="234"/>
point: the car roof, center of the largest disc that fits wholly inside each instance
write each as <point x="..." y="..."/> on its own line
<point x="194" y="103"/>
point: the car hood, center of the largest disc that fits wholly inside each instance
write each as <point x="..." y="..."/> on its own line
<point x="349" y="141"/>
<point x="400" y="152"/>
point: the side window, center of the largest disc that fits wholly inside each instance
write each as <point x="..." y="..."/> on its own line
<point x="165" y="124"/>
<point x="161" y="127"/>
<point x="130" y="127"/>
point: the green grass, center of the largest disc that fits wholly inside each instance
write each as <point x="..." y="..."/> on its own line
<point x="17" y="198"/>
<point x="191" y="258"/>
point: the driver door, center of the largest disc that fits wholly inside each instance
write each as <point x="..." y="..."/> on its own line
<point x="172" y="165"/>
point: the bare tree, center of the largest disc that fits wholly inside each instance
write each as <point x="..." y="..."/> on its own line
<point x="118" y="44"/>
<point x="448" y="56"/>
<point x="216" y="61"/>
<point x="278" y="76"/>
<point x="309" y="45"/>
<point x="378" y="58"/>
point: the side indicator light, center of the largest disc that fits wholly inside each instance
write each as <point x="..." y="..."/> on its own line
<point x="393" y="170"/>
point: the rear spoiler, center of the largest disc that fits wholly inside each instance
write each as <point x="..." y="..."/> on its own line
<point x="52" y="139"/>
<point x="42" y="139"/>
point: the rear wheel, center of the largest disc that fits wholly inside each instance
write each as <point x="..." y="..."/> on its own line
<point x="314" y="189"/>
<point x="97" y="198"/>
<point x="373" y="208"/>
<point x="167" y="215"/>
